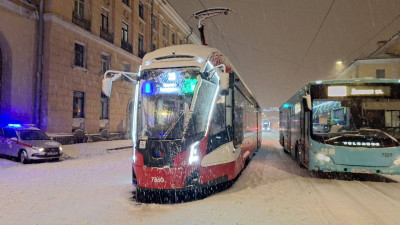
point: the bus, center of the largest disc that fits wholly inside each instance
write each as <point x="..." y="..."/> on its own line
<point x="348" y="126"/>
<point x="195" y="122"/>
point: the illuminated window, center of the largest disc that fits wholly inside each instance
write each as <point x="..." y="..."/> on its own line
<point x="78" y="105"/>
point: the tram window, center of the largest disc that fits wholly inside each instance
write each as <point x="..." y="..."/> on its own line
<point x="202" y="108"/>
<point x="218" y="118"/>
<point x="238" y="119"/>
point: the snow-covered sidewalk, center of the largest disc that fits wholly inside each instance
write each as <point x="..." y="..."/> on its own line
<point x="94" y="148"/>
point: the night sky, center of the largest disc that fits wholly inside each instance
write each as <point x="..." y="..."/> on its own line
<point x="277" y="46"/>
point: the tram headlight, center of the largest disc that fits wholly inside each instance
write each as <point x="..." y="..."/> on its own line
<point x="397" y="162"/>
<point x="194" y="153"/>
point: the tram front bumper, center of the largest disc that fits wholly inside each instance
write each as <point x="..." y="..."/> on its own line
<point x="165" y="178"/>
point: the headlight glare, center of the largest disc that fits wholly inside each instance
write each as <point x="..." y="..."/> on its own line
<point x="194" y="153"/>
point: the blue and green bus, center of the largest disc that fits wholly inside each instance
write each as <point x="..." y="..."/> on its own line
<point x="344" y="126"/>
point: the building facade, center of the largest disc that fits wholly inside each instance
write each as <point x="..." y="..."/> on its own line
<point x="382" y="63"/>
<point x="82" y="39"/>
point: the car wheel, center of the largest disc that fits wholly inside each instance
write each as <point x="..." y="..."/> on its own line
<point x="23" y="157"/>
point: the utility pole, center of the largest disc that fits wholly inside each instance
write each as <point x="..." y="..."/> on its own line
<point x="39" y="71"/>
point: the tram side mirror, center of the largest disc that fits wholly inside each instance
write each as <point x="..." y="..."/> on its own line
<point x="111" y="75"/>
<point x="307" y="102"/>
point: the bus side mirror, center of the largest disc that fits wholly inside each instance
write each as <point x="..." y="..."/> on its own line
<point x="307" y="102"/>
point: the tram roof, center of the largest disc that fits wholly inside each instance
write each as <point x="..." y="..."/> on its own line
<point x="188" y="55"/>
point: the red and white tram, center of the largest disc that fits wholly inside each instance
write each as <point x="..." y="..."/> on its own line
<point x="196" y="123"/>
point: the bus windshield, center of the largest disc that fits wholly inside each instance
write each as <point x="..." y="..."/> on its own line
<point x="356" y="116"/>
<point x="164" y="102"/>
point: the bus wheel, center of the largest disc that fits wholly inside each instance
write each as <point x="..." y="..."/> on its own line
<point x="299" y="155"/>
<point x="283" y="144"/>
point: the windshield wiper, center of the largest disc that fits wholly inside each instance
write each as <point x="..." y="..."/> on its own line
<point x="172" y="126"/>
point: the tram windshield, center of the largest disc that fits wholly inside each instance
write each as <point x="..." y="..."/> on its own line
<point x="165" y="101"/>
<point x="357" y="116"/>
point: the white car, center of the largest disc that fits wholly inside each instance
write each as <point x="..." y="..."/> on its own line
<point x="28" y="143"/>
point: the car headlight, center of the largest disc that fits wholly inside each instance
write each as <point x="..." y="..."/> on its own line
<point x="40" y="149"/>
<point x="194" y="152"/>
<point x="60" y="148"/>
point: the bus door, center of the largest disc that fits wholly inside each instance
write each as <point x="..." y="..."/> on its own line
<point x="306" y="132"/>
<point x="288" y="141"/>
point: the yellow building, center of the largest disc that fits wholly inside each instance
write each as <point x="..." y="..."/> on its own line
<point x="382" y="63"/>
<point x="82" y="39"/>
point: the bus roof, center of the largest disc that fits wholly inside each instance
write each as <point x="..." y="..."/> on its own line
<point x="356" y="80"/>
<point x="344" y="81"/>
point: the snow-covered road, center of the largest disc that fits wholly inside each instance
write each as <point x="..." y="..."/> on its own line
<point x="271" y="190"/>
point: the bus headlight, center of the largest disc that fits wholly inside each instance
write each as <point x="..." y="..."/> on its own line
<point x="194" y="153"/>
<point x="396" y="162"/>
<point x="323" y="157"/>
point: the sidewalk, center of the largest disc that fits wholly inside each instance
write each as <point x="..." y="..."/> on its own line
<point x="95" y="148"/>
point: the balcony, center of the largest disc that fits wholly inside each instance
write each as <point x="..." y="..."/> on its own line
<point x="126" y="46"/>
<point x="141" y="54"/>
<point x="106" y="35"/>
<point x="81" y="21"/>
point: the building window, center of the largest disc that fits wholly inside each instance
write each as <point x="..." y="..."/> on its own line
<point x="125" y="29"/>
<point x="79" y="7"/>
<point x="173" y="38"/>
<point x="79" y="55"/>
<point x="105" y="106"/>
<point x="180" y="41"/>
<point x="105" y="63"/>
<point x="392" y="118"/>
<point x="141" y="10"/>
<point x="164" y="30"/>
<point x="141" y="47"/>
<point x="104" y="20"/>
<point x="154" y="22"/>
<point x="126" y="2"/>
<point x="79" y="104"/>
<point x="380" y="73"/>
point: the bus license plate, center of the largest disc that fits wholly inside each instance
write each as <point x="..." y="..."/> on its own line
<point x="361" y="171"/>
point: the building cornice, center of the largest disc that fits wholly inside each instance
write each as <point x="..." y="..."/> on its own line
<point x="171" y="13"/>
<point x="50" y="17"/>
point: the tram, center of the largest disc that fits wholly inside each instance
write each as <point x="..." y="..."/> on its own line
<point x="196" y="123"/>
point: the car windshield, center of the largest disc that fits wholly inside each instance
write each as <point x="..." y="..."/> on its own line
<point x="165" y="99"/>
<point x="33" y="135"/>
